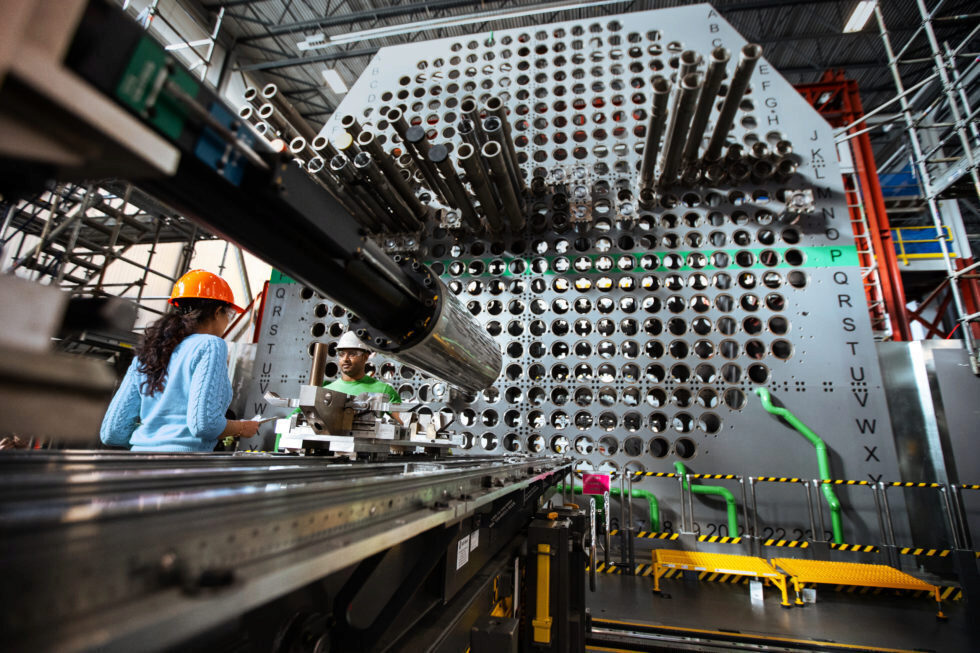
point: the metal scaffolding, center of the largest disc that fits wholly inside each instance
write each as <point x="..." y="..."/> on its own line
<point x="957" y="152"/>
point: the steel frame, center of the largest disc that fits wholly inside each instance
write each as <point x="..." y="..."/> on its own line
<point x="843" y="108"/>
<point x="953" y="97"/>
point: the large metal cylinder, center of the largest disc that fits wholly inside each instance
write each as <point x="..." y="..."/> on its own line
<point x="718" y="61"/>
<point x="451" y="345"/>
<point x="680" y="123"/>
<point x="736" y="90"/>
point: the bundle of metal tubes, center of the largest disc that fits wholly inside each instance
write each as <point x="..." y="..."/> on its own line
<point x="487" y="157"/>
<point x="679" y="118"/>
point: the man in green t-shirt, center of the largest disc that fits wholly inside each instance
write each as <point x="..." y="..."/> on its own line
<point x="352" y="356"/>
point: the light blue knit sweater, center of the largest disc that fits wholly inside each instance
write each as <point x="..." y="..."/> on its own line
<point x="190" y="412"/>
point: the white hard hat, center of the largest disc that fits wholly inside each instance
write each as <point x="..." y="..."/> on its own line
<point x="351" y="341"/>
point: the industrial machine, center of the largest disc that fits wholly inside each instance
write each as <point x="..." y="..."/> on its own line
<point x="611" y="246"/>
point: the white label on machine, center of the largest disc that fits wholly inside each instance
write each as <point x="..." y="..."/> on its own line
<point x="462" y="552"/>
<point x="755" y="591"/>
<point x="474" y="539"/>
<point x="809" y="594"/>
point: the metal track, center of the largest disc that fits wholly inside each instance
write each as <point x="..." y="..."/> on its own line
<point x="121" y="550"/>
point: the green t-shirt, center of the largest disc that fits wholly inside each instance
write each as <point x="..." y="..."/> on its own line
<point x="364" y="384"/>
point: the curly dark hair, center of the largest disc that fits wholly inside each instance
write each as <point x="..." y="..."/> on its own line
<point x="162" y="337"/>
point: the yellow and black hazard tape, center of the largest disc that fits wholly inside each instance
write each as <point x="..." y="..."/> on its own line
<point x="777" y="479"/>
<point x="970" y="487"/>
<point x="650" y="535"/>
<point x="793" y="544"/>
<point x="860" y="548"/>
<point x="841" y="481"/>
<point x="656" y="474"/>
<point x="715" y="476"/>
<point x="931" y="553"/>
<point x="911" y="484"/>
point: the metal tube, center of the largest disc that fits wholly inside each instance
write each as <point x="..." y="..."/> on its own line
<point x="367" y="167"/>
<point x="745" y="505"/>
<point x="473" y="166"/>
<point x="369" y="142"/>
<point x="319" y="363"/>
<point x="323" y="144"/>
<point x="289" y="113"/>
<point x="344" y="169"/>
<point x="819" y="507"/>
<point x="888" y="512"/>
<point x="690" y="501"/>
<point x="469" y="109"/>
<point x="950" y="516"/>
<point x="515" y="601"/>
<point x="736" y="90"/>
<point x="629" y="516"/>
<point x="785" y="169"/>
<point x="684" y="528"/>
<point x="689" y="61"/>
<point x="246" y="112"/>
<point x="622" y="519"/>
<point x="809" y="510"/>
<point x="349" y="123"/>
<point x="396" y="119"/>
<point x="417" y="140"/>
<point x="606" y="509"/>
<point x="439" y="155"/>
<point x="706" y="102"/>
<point x="495" y="107"/>
<point x="680" y="124"/>
<point x="761" y="171"/>
<point x="655" y="130"/>
<point x="495" y="132"/>
<point x="268" y="113"/>
<point x="298" y="144"/>
<point x="250" y="94"/>
<point x="345" y="144"/>
<point x="501" y="181"/>
<point x="965" y="540"/>
<point x="467" y="131"/>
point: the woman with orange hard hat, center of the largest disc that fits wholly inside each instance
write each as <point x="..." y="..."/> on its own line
<point x="176" y="391"/>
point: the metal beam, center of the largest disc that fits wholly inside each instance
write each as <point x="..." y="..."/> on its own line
<point x="302" y="61"/>
<point x="360" y="16"/>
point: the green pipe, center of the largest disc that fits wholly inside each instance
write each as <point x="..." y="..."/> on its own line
<point x="652" y="502"/>
<point x="716" y="490"/>
<point x="823" y="462"/>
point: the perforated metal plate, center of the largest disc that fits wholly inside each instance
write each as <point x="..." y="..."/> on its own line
<point x="637" y="340"/>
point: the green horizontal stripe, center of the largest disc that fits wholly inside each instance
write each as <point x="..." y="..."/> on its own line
<point x="813" y="257"/>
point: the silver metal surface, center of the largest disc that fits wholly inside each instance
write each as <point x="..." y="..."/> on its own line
<point x="270" y="524"/>
<point x="634" y="332"/>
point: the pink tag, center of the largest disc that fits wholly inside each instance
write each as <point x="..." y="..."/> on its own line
<point x="595" y="483"/>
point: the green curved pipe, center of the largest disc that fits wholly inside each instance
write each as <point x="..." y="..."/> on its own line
<point x="652" y="503"/>
<point x="823" y="461"/>
<point x="716" y="490"/>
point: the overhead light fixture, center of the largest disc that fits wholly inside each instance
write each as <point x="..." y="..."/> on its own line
<point x="334" y="81"/>
<point x="860" y="15"/>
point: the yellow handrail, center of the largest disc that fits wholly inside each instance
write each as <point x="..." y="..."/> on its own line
<point x="900" y="241"/>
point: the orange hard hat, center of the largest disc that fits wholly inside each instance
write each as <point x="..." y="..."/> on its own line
<point x="202" y="284"/>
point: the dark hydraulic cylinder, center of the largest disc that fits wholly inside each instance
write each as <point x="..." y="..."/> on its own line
<point x="495" y="107"/>
<point x="472" y="163"/>
<point x="369" y="143"/>
<point x="439" y="155"/>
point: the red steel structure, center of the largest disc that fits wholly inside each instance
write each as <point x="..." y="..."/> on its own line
<point x="837" y="99"/>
